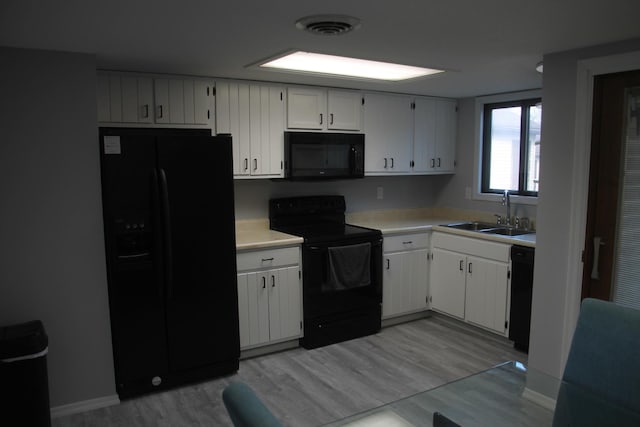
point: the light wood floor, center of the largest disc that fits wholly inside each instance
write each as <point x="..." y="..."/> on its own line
<point x="314" y="387"/>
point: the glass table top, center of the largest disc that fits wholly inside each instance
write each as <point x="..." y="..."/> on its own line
<point x="490" y="398"/>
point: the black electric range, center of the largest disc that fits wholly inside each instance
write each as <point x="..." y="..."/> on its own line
<point x="341" y="264"/>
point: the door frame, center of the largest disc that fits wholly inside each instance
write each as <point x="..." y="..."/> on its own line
<point x="586" y="71"/>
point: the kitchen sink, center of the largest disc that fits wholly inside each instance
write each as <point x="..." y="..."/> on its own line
<point x="487" y="228"/>
<point x="504" y="231"/>
<point x="471" y="226"/>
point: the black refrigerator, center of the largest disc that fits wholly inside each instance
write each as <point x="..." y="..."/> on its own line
<point x="171" y="258"/>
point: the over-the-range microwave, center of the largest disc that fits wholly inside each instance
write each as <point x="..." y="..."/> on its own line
<point x="323" y="155"/>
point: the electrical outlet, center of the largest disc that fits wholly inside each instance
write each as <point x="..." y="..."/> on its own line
<point x="380" y="193"/>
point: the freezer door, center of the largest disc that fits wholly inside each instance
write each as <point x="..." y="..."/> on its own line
<point x="136" y="295"/>
<point x="196" y="192"/>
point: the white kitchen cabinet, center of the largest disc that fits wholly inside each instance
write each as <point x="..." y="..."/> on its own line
<point x="470" y="280"/>
<point x="269" y="296"/>
<point x="254" y="115"/>
<point x="388" y="129"/>
<point x="142" y="99"/>
<point x="434" y="140"/>
<point x="181" y="101"/>
<point x="322" y="109"/>
<point x="447" y="284"/>
<point x="405" y="274"/>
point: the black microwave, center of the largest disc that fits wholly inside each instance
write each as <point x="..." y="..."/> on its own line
<point x="323" y="155"/>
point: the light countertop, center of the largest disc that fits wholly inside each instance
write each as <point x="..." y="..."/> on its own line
<point x="255" y="234"/>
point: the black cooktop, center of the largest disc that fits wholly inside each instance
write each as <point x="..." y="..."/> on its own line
<point x="315" y="218"/>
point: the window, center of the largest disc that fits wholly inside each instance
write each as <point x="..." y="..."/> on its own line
<point x="511" y="147"/>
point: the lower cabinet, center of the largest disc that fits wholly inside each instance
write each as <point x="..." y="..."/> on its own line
<point x="269" y="296"/>
<point x="470" y="280"/>
<point x="405" y="274"/>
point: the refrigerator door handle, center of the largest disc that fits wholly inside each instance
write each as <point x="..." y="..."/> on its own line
<point x="166" y="227"/>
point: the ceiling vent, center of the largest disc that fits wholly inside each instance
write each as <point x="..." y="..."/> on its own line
<point x="328" y="25"/>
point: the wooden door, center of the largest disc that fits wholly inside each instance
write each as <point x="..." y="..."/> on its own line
<point x="610" y="115"/>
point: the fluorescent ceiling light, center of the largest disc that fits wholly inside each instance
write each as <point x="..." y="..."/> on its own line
<point x="317" y="63"/>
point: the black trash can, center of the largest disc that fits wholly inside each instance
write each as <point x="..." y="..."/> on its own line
<point x="24" y="385"/>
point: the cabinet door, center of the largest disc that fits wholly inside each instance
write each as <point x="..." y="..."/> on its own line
<point x="486" y="294"/>
<point x="388" y="126"/>
<point x="416" y="274"/>
<point x="404" y="282"/>
<point x="137" y="99"/>
<point x="447" y="284"/>
<point x="161" y="92"/>
<point x="285" y="313"/>
<point x="424" y="140"/>
<point x="392" y="288"/>
<point x="446" y="125"/>
<point x="344" y="110"/>
<point x="253" y="308"/>
<point x="306" y="108"/>
<point x="232" y="116"/>
<point x="266" y="132"/>
<point x="202" y="105"/>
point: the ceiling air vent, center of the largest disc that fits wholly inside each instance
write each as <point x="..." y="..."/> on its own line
<point x="328" y="25"/>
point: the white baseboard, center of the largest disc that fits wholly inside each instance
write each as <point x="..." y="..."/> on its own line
<point x="539" y="398"/>
<point x="83" y="406"/>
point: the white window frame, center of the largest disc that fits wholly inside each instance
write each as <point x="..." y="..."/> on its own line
<point x="477" y="164"/>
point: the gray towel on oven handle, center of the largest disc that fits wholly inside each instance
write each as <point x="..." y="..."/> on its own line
<point x="349" y="267"/>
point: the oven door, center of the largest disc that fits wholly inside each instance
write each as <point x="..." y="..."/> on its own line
<point x="337" y="280"/>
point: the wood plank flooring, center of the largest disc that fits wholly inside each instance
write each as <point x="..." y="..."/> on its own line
<point x="314" y="387"/>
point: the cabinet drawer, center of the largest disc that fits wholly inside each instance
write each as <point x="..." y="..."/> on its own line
<point x="267" y="258"/>
<point x="405" y="242"/>
<point x="470" y="246"/>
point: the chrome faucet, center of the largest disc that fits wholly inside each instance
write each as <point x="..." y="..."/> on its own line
<point x="506" y="201"/>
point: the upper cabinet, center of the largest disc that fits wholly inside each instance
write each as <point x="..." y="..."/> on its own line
<point x="254" y="115"/>
<point x="388" y="129"/>
<point x="322" y="109"/>
<point x="409" y="135"/>
<point x="434" y="139"/>
<point x="129" y="98"/>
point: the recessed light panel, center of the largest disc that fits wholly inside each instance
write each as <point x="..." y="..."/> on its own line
<point x="342" y="66"/>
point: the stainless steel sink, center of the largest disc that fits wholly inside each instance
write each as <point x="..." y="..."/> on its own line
<point x="504" y="231"/>
<point x="471" y="226"/>
<point x="487" y="228"/>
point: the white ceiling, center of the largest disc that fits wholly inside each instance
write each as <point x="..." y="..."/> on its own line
<point x="488" y="46"/>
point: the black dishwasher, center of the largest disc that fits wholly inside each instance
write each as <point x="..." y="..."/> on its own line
<point x="521" y="290"/>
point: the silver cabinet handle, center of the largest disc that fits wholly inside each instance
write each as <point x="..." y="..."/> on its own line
<point x="388" y="264"/>
<point x="273" y="281"/>
<point x="267" y="259"/>
<point x="145" y="111"/>
<point x="246" y="163"/>
<point x="438" y="161"/>
<point x="160" y="111"/>
<point x="392" y="163"/>
<point x="264" y="282"/>
<point x="385" y="162"/>
<point x="470" y="270"/>
<point x="255" y="164"/>
<point x="597" y="242"/>
<point x="461" y="267"/>
<point x="320" y="118"/>
<point x="331" y="118"/>
<point x="407" y="243"/>
<point x="433" y="163"/>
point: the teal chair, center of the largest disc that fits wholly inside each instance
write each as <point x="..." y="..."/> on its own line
<point x="601" y="381"/>
<point x="245" y="408"/>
